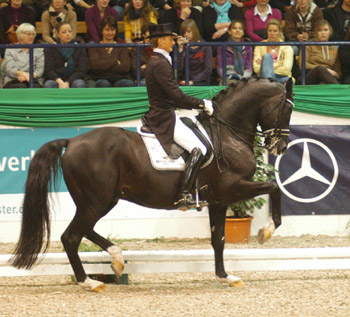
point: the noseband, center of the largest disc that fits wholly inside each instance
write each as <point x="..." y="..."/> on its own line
<point x="274" y="135"/>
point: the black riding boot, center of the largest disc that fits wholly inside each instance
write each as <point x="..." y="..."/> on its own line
<point x="193" y="164"/>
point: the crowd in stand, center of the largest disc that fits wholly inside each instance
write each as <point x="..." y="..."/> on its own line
<point x="195" y="21"/>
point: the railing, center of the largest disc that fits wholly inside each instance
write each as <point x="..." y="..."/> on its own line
<point x="139" y="46"/>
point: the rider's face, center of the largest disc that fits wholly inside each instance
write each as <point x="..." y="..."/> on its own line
<point x="166" y="43"/>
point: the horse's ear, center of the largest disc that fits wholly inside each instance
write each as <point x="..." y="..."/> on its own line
<point x="289" y="88"/>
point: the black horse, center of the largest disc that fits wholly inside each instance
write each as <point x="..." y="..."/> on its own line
<point x="107" y="164"/>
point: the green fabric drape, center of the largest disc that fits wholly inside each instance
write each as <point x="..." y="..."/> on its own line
<point x="94" y="106"/>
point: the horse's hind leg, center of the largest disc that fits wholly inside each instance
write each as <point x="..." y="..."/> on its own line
<point x="114" y="251"/>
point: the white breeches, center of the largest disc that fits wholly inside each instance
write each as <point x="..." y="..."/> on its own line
<point x="184" y="136"/>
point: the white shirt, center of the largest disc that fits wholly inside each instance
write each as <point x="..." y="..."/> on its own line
<point x="164" y="53"/>
<point x="262" y="17"/>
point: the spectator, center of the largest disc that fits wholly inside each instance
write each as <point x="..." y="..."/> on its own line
<point x="162" y="6"/>
<point x="200" y="56"/>
<point x="217" y="18"/>
<point x="93" y="17"/>
<point x="80" y="7"/>
<point x="274" y="61"/>
<point x="11" y="16"/>
<point x="256" y="20"/>
<point x="344" y="58"/>
<point x="58" y="12"/>
<point x="238" y="58"/>
<point x="146" y="53"/>
<point x="16" y="62"/>
<point x="301" y="21"/>
<point x="109" y="66"/>
<point x="339" y="18"/>
<point x="182" y="11"/>
<point x="137" y="13"/>
<point x="65" y="67"/>
<point x="322" y="62"/>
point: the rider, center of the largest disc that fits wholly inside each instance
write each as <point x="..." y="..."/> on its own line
<point x="164" y="96"/>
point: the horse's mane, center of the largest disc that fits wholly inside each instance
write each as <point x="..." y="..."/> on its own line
<point x="243" y="83"/>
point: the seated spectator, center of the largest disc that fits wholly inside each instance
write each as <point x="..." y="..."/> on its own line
<point x="16" y="62"/>
<point x="57" y="13"/>
<point x="93" y="17"/>
<point x="109" y="66"/>
<point x="322" y="62"/>
<point x="344" y="58"/>
<point x="339" y="18"/>
<point x="80" y="7"/>
<point x="282" y="5"/>
<point x="137" y="13"/>
<point x="182" y="11"/>
<point x="256" y="20"/>
<point x="239" y="59"/>
<point x="217" y="18"/>
<point x="301" y="21"/>
<point x="11" y="16"/>
<point x="200" y="56"/>
<point x="274" y="61"/>
<point x="162" y="6"/>
<point x="146" y="53"/>
<point x="65" y="67"/>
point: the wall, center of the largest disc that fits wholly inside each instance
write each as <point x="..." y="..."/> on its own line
<point x="130" y="221"/>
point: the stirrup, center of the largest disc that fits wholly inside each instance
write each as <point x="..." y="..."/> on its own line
<point x="187" y="202"/>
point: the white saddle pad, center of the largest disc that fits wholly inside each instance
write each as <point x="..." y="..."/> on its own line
<point x="159" y="159"/>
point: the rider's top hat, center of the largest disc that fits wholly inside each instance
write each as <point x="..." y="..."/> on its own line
<point x="158" y="30"/>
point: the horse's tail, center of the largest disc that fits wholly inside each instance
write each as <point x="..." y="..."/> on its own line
<point x="42" y="174"/>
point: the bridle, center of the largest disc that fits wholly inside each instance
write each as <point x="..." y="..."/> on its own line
<point x="272" y="136"/>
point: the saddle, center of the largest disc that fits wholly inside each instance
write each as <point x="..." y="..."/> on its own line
<point x="177" y="153"/>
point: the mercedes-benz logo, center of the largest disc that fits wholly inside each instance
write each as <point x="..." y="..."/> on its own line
<point x="306" y="170"/>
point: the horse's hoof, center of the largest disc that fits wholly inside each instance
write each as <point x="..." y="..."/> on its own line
<point x="92" y="285"/>
<point x="231" y="280"/>
<point x="239" y="283"/>
<point x="264" y="234"/>
<point x="117" y="268"/>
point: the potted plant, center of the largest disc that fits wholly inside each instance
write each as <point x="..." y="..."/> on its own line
<point x="239" y="214"/>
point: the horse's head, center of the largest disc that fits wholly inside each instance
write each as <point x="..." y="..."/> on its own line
<point x="274" y="120"/>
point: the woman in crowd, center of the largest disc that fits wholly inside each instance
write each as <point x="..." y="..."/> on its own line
<point x="217" y="18"/>
<point x="94" y="16"/>
<point x="65" y="67"/>
<point x="182" y="11"/>
<point x="136" y="14"/>
<point x="16" y="62"/>
<point x="109" y="66"/>
<point x="11" y="16"/>
<point x="322" y="62"/>
<point x="200" y="56"/>
<point x="58" y="12"/>
<point x="256" y="20"/>
<point x="344" y="58"/>
<point x="145" y="55"/>
<point x="239" y="59"/>
<point x="301" y="20"/>
<point x="274" y="61"/>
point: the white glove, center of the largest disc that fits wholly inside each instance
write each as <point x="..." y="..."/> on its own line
<point x="208" y="107"/>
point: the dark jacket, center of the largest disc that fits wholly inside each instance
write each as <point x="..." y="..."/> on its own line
<point x="336" y="19"/>
<point x="164" y="97"/>
<point x="113" y="66"/>
<point x="54" y="64"/>
<point x="170" y="16"/>
<point x="344" y="57"/>
<point x="7" y="19"/>
<point x="209" y="17"/>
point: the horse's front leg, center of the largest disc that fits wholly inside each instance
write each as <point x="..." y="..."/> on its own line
<point x="260" y="188"/>
<point x="217" y="216"/>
